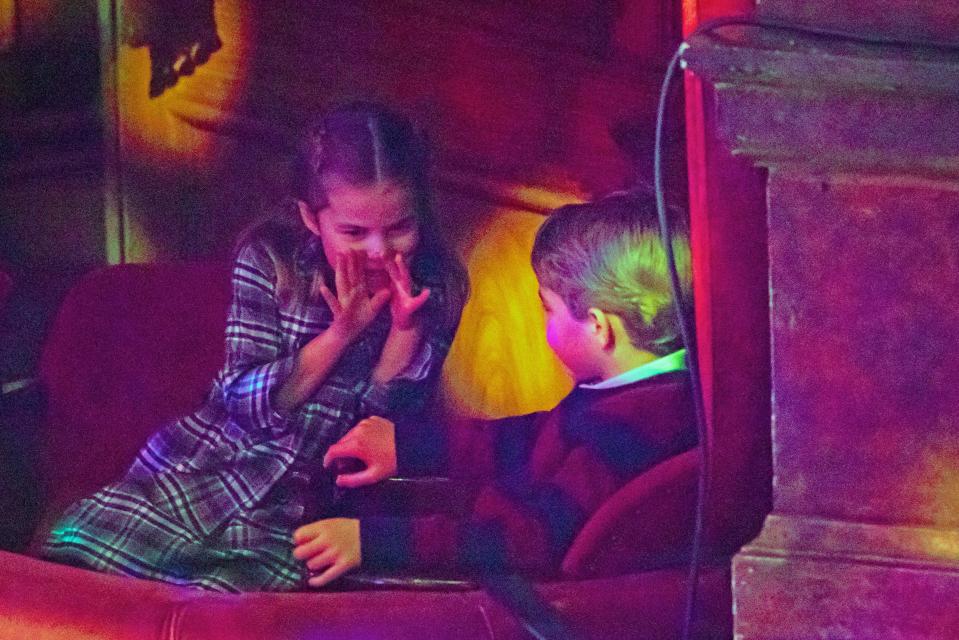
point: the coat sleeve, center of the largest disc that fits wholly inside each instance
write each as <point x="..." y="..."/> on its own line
<point x="409" y="392"/>
<point x="505" y="531"/>
<point x="515" y="523"/>
<point x="256" y="364"/>
<point x="468" y="450"/>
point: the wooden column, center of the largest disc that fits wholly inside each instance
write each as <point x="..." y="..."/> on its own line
<point x="861" y="144"/>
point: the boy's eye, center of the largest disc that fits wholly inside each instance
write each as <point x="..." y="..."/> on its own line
<point x="353" y="232"/>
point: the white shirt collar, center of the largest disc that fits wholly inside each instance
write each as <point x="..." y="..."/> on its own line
<point x="675" y="361"/>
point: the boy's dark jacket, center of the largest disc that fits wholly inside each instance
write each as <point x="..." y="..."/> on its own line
<point x="544" y="474"/>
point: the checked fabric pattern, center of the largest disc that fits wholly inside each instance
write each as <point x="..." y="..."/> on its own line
<point x="212" y="499"/>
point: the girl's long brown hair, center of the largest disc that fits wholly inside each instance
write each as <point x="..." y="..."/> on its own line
<point x="361" y="144"/>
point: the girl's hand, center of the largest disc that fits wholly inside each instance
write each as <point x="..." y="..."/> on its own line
<point x="403" y="304"/>
<point x="353" y="307"/>
<point x="329" y="548"/>
<point x="372" y="440"/>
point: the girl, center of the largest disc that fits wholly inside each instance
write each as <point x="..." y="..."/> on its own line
<point x="344" y="306"/>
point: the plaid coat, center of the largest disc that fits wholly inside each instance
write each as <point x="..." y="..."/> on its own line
<point x="212" y="499"/>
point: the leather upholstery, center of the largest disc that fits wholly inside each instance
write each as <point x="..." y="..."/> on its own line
<point x="44" y="601"/>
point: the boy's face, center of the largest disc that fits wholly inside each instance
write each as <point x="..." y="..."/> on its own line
<point x="571" y="339"/>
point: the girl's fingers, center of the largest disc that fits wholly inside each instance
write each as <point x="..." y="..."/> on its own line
<point x="309" y="549"/>
<point x="307" y="532"/>
<point x="328" y="576"/>
<point x="331" y="300"/>
<point x="348" y="277"/>
<point x="304" y="533"/>
<point x="399" y="275"/>
<point x="367" y="476"/>
<point x="379" y="299"/>
<point x="339" y="274"/>
<point x="321" y="560"/>
<point x="341" y="449"/>
<point x="420" y="299"/>
<point x="404" y="271"/>
<point x="357" y="281"/>
<point x="393" y="272"/>
<point x="348" y="298"/>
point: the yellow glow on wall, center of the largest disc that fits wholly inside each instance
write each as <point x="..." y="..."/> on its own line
<point x="178" y="128"/>
<point x="175" y="140"/>
<point x="543" y="198"/>
<point x="943" y="545"/>
<point x="938" y="481"/>
<point x="500" y="363"/>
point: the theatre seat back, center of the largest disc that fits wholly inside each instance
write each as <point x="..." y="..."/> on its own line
<point x="131" y="347"/>
<point x="646" y="524"/>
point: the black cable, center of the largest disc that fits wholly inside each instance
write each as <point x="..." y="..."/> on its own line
<point x="692" y="359"/>
<point x="686" y="329"/>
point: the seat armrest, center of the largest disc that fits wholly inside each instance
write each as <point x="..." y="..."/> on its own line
<point x="361" y="581"/>
<point x="404" y="496"/>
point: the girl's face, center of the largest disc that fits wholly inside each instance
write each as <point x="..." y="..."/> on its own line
<point x="377" y="221"/>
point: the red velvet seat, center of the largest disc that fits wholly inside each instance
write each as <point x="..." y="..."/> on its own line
<point x="135" y="345"/>
<point x="131" y="347"/>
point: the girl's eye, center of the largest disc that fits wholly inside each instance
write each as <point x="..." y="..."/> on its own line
<point x="403" y="227"/>
<point x="399" y="231"/>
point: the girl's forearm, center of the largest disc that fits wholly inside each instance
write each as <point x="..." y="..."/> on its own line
<point x="311" y="366"/>
<point x="398" y="352"/>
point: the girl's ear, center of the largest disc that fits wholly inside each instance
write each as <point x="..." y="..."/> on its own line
<point x="601" y="328"/>
<point x="309" y="217"/>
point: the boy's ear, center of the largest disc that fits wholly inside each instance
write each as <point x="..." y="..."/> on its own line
<point x="308" y="217"/>
<point x="601" y="328"/>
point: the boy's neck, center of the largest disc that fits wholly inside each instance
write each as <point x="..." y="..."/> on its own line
<point x="622" y="360"/>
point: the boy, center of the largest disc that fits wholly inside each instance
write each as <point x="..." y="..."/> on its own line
<point x="605" y="291"/>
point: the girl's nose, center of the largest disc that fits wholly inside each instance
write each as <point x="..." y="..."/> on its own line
<point x="376" y="248"/>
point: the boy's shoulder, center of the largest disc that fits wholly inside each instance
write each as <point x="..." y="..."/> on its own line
<point x="664" y="386"/>
<point x="651" y="416"/>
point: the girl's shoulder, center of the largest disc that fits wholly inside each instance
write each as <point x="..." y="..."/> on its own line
<point x="271" y="254"/>
<point x="254" y="255"/>
<point x="279" y="238"/>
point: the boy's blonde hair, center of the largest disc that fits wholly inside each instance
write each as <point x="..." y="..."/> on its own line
<point x="608" y="254"/>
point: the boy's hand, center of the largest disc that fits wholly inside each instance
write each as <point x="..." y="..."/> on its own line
<point x="353" y="308"/>
<point x="403" y="304"/>
<point x="329" y="548"/>
<point x="373" y="441"/>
